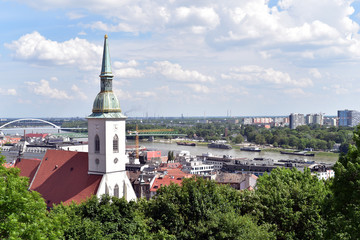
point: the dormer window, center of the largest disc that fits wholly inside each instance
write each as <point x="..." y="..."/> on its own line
<point x="116" y="144"/>
<point x="97" y="144"/>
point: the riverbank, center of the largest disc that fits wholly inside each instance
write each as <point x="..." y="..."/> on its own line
<point x="166" y="145"/>
<point x="317" y="153"/>
<point x="238" y="146"/>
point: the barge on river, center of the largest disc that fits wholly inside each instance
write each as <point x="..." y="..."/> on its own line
<point x="299" y="153"/>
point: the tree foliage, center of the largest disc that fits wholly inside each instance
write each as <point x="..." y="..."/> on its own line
<point x="105" y="218"/>
<point x="291" y="201"/>
<point x="344" y="217"/>
<point x="23" y="213"/>
<point x="201" y="209"/>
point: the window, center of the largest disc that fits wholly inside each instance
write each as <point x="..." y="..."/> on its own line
<point x="116" y="144"/>
<point x="106" y="189"/>
<point x="116" y="191"/>
<point x="97" y="144"/>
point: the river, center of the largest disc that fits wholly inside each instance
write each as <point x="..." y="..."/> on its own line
<point x="164" y="147"/>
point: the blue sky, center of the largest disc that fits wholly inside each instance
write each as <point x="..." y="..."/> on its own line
<point x="174" y="57"/>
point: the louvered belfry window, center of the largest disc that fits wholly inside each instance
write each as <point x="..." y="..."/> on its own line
<point x="116" y="143"/>
<point x="97" y="144"/>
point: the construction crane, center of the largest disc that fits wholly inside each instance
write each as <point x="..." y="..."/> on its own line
<point x="137" y="131"/>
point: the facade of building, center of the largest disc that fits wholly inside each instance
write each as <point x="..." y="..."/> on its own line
<point x="330" y="121"/>
<point x="316" y="118"/>
<point x="237" y="181"/>
<point x="348" y="118"/>
<point x="198" y="168"/>
<point x="296" y="119"/>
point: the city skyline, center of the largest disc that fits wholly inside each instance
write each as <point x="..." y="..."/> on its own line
<point x="206" y="58"/>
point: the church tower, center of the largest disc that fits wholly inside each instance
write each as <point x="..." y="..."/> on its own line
<point x="106" y="125"/>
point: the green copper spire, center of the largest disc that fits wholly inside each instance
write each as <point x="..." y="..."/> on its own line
<point x="106" y="63"/>
<point x="106" y="103"/>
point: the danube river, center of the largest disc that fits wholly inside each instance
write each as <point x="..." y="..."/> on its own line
<point x="164" y="147"/>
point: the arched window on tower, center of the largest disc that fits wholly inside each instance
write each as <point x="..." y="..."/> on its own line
<point x="116" y="144"/>
<point x="97" y="144"/>
<point x="116" y="191"/>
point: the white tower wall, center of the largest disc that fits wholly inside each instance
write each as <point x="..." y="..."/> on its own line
<point x="106" y="128"/>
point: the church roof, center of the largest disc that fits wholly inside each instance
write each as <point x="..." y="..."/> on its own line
<point x="63" y="177"/>
<point x="27" y="167"/>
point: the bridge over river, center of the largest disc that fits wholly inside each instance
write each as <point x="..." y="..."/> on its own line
<point x="73" y="132"/>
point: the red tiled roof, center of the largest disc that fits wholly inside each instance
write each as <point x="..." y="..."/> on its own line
<point x="8" y="165"/>
<point x="254" y="176"/>
<point x="63" y="177"/>
<point x="36" y="135"/>
<point x="27" y="167"/>
<point x="173" y="176"/>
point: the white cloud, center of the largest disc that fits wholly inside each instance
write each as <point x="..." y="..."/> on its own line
<point x="43" y="88"/>
<point x="295" y="92"/>
<point x="253" y="74"/>
<point x="128" y="73"/>
<point x="199" y="20"/>
<point x="8" y="92"/>
<point x="122" y="95"/>
<point x="315" y="73"/>
<point x="322" y="28"/>
<point x="198" y="88"/>
<point x="228" y="88"/>
<point x="176" y="72"/>
<point x="78" y="92"/>
<point x="75" y="15"/>
<point x="131" y="63"/>
<point x="339" y="90"/>
<point x="127" y="69"/>
<point x="34" y="48"/>
<point x="145" y="94"/>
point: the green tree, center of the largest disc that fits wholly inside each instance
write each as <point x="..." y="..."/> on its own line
<point x="292" y="202"/>
<point x="171" y="156"/>
<point x="201" y="209"/>
<point x="23" y="213"/>
<point x="260" y="139"/>
<point x="238" y="139"/>
<point x="344" y="219"/>
<point x="105" y="218"/>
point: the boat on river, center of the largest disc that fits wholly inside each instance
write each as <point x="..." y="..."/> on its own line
<point x="186" y="144"/>
<point x="299" y="153"/>
<point x="219" y="145"/>
<point x="300" y="161"/>
<point x="250" y="149"/>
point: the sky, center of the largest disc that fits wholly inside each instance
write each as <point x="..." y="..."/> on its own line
<point x="174" y="58"/>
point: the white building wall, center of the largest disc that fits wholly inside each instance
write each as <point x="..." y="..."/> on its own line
<point x="110" y="180"/>
<point x="76" y="148"/>
<point x="106" y="129"/>
<point x="96" y="126"/>
<point x="217" y="164"/>
<point x="115" y="126"/>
